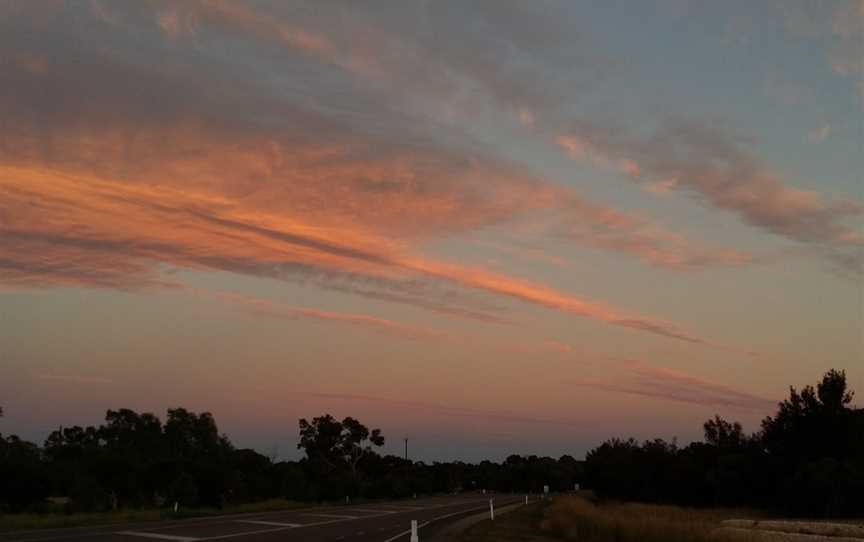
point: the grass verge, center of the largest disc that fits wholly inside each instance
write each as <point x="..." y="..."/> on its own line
<point x="520" y="525"/>
<point x="580" y="518"/>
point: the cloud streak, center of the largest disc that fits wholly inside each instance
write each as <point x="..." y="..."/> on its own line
<point x="670" y="385"/>
<point x="263" y="307"/>
<point x="134" y="229"/>
<point x="713" y="164"/>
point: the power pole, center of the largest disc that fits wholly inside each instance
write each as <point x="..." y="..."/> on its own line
<point x="406" y="448"/>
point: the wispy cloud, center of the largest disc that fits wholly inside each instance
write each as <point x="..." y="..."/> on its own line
<point x="176" y="177"/>
<point x="839" y="25"/>
<point x="155" y="226"/>
<point x="272" y="309"/>
<point x="716" y="165"/>
<point x="670" y="385"/>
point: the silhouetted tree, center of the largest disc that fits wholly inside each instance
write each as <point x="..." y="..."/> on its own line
<point x="808" y="459"/>
<point x="724" y="435"/>
<point x="335" y="449"/>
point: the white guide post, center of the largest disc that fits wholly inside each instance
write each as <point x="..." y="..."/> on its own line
<point x="526" y="499"/>
<point x="414" y="536"/>
<point x="491" y="509"/>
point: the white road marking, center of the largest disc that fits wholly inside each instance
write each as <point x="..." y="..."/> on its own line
<point x="342" y="519"/>
<point x="425" y="523"/>
<point x="271" y="523"/>
<point x="339" y="516"/>
<point x="66" y="533"/>
<point x="273" y="530"/>
<point x="373" y="511"/>
<point x="158" y="536"/>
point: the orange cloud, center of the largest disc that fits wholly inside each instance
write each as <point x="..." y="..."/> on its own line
<point x="121" y="233"/>
<point x="113" y="172"/>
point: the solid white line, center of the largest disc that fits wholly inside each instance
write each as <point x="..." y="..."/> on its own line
<point x="271" y="523"/>
<point x="158" y="536"/>
<point x="339" y="516"/>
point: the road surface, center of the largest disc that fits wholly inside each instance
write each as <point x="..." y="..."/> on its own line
<point x="378" y="522"/>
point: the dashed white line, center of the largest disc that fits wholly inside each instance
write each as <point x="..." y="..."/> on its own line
<point x="369" y="510"/>
<point x="158" y="536"/>
<point x="271" y="523"/>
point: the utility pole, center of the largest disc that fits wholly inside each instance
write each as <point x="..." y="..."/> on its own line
<point x="406" y="448"/>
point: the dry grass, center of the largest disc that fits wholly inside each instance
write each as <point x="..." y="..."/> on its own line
<point x="790" y="531"/>
<point x="520" y="525"/>
<point x="578" y="518"/>
<point x="582" y="518"/>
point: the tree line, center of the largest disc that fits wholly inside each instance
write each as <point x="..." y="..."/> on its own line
<point x="135" y="460"/>
<point x="806" y="460"/>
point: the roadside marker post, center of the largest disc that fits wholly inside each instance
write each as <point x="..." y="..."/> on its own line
<point x="492" y="509"/>
<point x="526" y="499"/>
<point x="414" y="536"/>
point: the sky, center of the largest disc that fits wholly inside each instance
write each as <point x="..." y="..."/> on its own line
<point x="489" y="227"/>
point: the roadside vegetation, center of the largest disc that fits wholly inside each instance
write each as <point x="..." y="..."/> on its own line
<point x="587" y="519"/>
<point x="579" y="518"/>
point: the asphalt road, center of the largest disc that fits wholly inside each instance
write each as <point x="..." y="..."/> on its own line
<point x="378" y="522"/>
